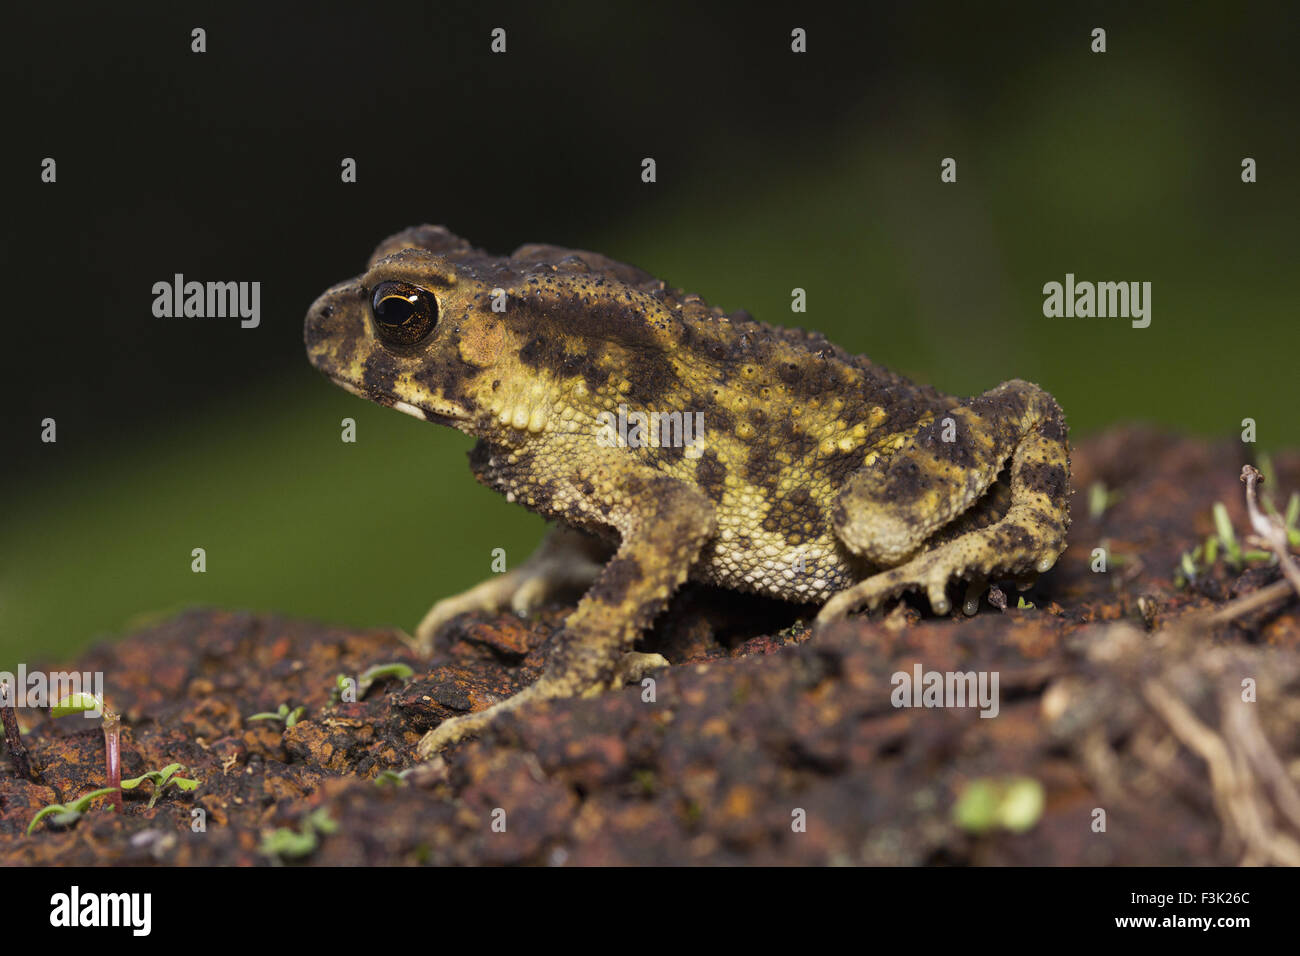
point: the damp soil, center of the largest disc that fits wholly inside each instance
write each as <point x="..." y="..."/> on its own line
<point x="1151" y="736"/>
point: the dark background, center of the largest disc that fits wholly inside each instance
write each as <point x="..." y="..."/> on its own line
<point x="775" y="170"/>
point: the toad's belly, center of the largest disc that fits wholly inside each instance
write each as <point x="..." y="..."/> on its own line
<point x="743" y="557"/>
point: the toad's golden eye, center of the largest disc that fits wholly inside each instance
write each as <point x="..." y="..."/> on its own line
<point x="403" y="313"/>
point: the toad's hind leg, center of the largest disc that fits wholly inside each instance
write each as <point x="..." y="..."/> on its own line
<point x="566" y="560"/>
<point x="888" y="509"/>
<point x="664" y="530"/>
<point x="887" y="515"/>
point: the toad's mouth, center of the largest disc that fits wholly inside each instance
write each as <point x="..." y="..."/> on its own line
<point x="444" y="413"/>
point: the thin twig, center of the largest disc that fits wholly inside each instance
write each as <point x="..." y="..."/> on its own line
<point x="1237" y="797"/>
<point x="1266" y="596"/>
<point x="1270" y="533"/>
<point x="1269" y="530"/>
<point x="14" y="737"/>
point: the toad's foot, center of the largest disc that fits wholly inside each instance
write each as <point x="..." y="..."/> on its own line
<point x="631" y="668"/>
<point x="931" y="574"/>
<point x="874" y="590"/>
<point x="967" y="557"/>
<point x="470" y="725"/>
<point x="566" y="561"/>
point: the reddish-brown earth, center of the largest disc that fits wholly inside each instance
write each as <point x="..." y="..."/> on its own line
<point x="1114" y="696"/>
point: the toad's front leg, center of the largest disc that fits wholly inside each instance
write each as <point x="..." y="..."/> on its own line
<point x="664" y="525"/>
<point x="567" y="560"/>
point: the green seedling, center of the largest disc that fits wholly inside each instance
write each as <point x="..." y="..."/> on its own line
<point x="287" y="844"/>
<point x="1290" y="520"/>
<point x="1101" y="498"/>
<point x="1196" y="563"/>
<point x="66" y="814"/>
<point x="1268" y="476"/>
<point x="1227" y="537"/>
<point x="1023" y="604"/>
<point x="1011" y="803"/>
<point x="283" y="714"/>
<point x="82" y="703"/>
<point x="381" y="672"/>
<point x="369" y="678"/>
<point x="321" y="821"/>
<point x="1115" y="559"/>
<point x="161" y="779"/>
<point x="392" y="778"/>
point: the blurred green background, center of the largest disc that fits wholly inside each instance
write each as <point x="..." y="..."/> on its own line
<point x="774" y="171"/>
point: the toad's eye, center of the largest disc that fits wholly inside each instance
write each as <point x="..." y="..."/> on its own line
<point x="404" y="314"/>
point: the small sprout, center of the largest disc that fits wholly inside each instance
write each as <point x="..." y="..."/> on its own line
<point x="1268" y="478"/>
<point x="93" y="705"/>
<point x="161" y="779"/>
<point x="371" y="677"/>
<point x="295" y="844"/>
<point x="289" y="844"/>
<point x="1198" y="562"/>
<point x="380" y="672"/>
<point x="82" y="703"/>
<point x="113" y="755"/>
<point x="321" y="821"/>
<point x="1022" y="804"/>
<point x="1227" y="537"/>
<point x="392" y="778"/>
<point x="1024" y="605"/>
<point x="1116" y="559"/>
<point x="976" y="809"/>
<point x="1012" y="803"/>
<point x="1291" y="521"/>
<point x="1100" y="498"/>
<point x="68" y="814"/>
<point x="283" y="714"/>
